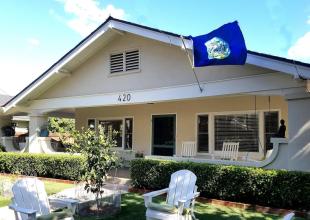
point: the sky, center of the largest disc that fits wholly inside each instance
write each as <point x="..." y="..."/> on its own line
<point x="36" y="33"/>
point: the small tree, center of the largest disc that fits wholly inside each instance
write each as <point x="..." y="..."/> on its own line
<point x="100" y="158"/>
<point x="61" y="125"/>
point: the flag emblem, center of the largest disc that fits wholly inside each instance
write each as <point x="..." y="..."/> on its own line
<point x="217" y="48"/>
<point x="222" y="46"/>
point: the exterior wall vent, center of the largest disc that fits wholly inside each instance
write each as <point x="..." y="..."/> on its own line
<point x="125" y="62"/>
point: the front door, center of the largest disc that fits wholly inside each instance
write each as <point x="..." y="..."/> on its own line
<point x="163" y="135"/>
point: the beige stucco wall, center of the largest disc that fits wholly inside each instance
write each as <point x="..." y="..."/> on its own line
<point x="186" y="112"/>
<point x="162" y="65"/>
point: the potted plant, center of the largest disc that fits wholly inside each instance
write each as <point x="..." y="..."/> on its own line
<point x="139" y="154"/>
<point x="8" y="130"/>
<point x="44" y="131"/>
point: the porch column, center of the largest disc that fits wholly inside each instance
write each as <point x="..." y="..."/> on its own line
<point x="36" y="122"/>
<point x="4" y="120"/>
<point x="299" y="132"/>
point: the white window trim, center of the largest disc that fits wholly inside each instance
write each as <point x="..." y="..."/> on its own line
<point x="124" y="72"/>
<point x="211" y="131"/>
<point x="122" y="118"/>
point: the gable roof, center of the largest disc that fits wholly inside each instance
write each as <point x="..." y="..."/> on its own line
<point x="295" y="68"/>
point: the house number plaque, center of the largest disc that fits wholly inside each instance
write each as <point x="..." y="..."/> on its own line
<point x="125" y="97"/>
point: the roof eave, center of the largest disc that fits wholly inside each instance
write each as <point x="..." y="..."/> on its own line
<point x="110" y="23"/>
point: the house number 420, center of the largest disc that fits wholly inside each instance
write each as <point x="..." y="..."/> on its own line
<point x="125" y="97"/>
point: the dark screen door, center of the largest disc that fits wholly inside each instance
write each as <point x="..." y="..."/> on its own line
<point x="163" y="135"/>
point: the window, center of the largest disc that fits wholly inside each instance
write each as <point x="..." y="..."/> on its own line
<point x="111" y="126"/>
<point x="203" y="134"/>
<point x="124" y="62"/>
<point x="121" y="128"/>
<point x="91" y="123"/>
<point x="271" y="120"/>
<point x="128" y="133"/>
<point x="242" y="128"/>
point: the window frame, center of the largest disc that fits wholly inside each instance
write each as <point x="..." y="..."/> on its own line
<point x="264" y="123"/>
<point x="122" y="118"/>
<point x="95" y="120"/>
<point x="261" y="126"/>
<point x="197" y="133"/>
<point x="124" y="72"/>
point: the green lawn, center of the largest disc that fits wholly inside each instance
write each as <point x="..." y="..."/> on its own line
<point x="133" y="209"/>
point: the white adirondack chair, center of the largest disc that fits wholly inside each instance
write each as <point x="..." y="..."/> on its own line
<point x="30" y="200"/>
<point x="180" y="200"/>
<point x="289" y="216"/>
<point x="188" y="149"/>
<point x="230" y="151"/>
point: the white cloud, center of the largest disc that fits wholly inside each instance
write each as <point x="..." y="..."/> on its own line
<point x="88" y="14"/>
<point x="34" y="42"/>
<point x="308" y="21"/>
<point x="300" y="50"/>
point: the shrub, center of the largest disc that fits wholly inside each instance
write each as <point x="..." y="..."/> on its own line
<point x="44" y="165"/>
<point x="275" y="188"/>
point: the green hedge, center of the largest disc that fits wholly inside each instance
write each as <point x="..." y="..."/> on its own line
<point x="44" y="165"/>
<point x="275" y="188"/>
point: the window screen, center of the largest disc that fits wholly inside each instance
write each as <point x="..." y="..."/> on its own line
<point x="242" y="128"/>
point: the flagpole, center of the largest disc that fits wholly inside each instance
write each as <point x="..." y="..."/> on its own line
<point x="192" y="65"/>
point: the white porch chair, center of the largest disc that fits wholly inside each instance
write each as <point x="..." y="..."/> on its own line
<point x="30" y="201"/>
<point x="188" y="149"/>
<point x="180" y="200"/>
<point x="230" y="151"/>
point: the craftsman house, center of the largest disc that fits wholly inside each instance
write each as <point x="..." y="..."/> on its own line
<point x="138" y="81"/>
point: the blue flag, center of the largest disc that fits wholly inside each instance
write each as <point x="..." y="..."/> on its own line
<point x="223" y="46"/>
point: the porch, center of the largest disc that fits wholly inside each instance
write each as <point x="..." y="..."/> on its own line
<point x="158" y="129"/>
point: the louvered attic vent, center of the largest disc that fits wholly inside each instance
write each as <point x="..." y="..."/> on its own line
<point x="123" y="62"/>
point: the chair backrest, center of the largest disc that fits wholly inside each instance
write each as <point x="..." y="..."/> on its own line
<point x="182" y="185"/>
<point x="230" y="151"/>
<point x="188" y="149"/>
<point x="289" y="216"/>
<point x="30" y="193"/>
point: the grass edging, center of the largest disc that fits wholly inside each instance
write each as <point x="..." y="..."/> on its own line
<point x="40" y="178"/>
<point x="239" y="205"/>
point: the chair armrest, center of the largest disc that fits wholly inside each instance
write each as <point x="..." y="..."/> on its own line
<point x="156" y="193"/>
<point x="182" y="202"/>
<point x="148" y="196"/>
<point x="30" y="212"/>
<point x="189" y="198"/>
